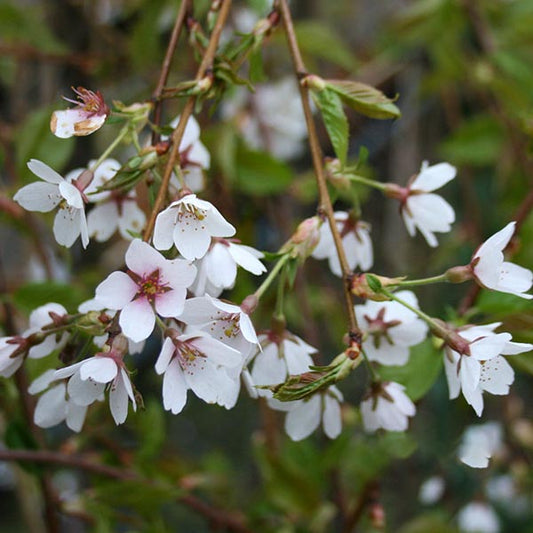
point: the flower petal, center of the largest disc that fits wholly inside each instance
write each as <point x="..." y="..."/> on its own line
<point x="43" y="171"/>
<point x="174" y="388"/>
<point x="301" y="421"/>
<point x="116" y="291"/>
<point x="38" y="196"/>
<point x="99" y="368"/>
<point x="433" y="177"/>
<point x="137" y="320"/>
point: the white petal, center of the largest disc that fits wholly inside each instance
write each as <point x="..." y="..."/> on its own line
<point x="174" y="388"/>
<point x="84" y="392"/>
<point x="498" y="241"/>
<point x="43" y="171"/>
<point x="170" y="303"/>
<point x="489" y="346"/>
<point x="116" y="291"/>
<point x="515" y="279"/>
<point x="137" y="320"/>
<point x="75" y="416"/>
<point x="433" y="177"/>
<point x="216" y="351"/>
<point x="497" y="376"/>
<point x="42" y="382"/>
<point x="71" y="194"/>
<point x="38" y="196"/>
<point x="206" y="380"/>
<point x="51" y="407"/>
<point x="118" y="400"/>
<point x="164" y="228"/>
<point x="142" y="259"/>
<point x="102" y="221"/>
<point x="297" y="357"/>
<point x="247" y="258"/>
<point x="301" y="421"/>
<point x="268" y="369"/>
<point x="198" y="154"/>
<point x="67" y="225"/>
<point x="454" y="384"/>
<point x="474" y="397"/>
<point x="99" y="368"/>
<point x="191" y="241"/>
<point x="217" y="225"/>
<point x="221" y="266"/>
<point x="165" y="356"/>
<point x="132" y="218"/>
<point x="331" y="417"/>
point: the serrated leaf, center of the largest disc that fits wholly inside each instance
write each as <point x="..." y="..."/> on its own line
<point x="260" y="174"/>
<point x="364" y="99"/>
<point x="32" y="295"/>
<point x="420" y="372"/>
<point x="335" y="120"/>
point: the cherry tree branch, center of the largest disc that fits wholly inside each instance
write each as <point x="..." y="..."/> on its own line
<point x="177" y="135"/>
<point x="165" y="69"/>
<point x="325" y="205"/>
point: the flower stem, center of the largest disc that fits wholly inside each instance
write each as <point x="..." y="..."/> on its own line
<point x="177" y="135"/>
<point x="324" y="199"/>
<point x="279" y="314"/>
<point x="423" y="281"/>
<point x="271" y="276"/>
<point x="366" y="181"/>
<point x="122" y="133"/>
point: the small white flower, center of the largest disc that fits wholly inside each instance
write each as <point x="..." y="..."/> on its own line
<point x="39" y="318"/>
<point x="152" y="281"/>
<point x="189" y="224"/>
<point x="421" y="208"/>
<point x="226" y="322"/>
<point x="492" y="271"/>
<point x="387" y="407"/>
<point x="217" y="270"/>
<point x="11" y="355"/>
<point x="356" y="241"/>
<point x="431" y="490"/>
<point x="479" y="443"/>
<point x="70" y="221"/>
<point x="478" y="517"/>
<point x="390" y="329"/>
<point x="113" y="210"/>
<point x="88" y="116"/>
<point x="483" y="369"/>
<point x="304" y="416"/>
<point x="198" y="362"/>
<point x="282" y="355"/>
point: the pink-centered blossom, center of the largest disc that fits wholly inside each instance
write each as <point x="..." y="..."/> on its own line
<point x="355" y="236"/>
<point x="56" y="191"/>
<point x="390" y="329"/>
<point x="492" y="271"/>
<point x="88" y="116"/>
<point x="388" y="407"/>
<point x="422" y="209"/>
<point x="198" y="362"/>
<point x="152" y="285"/>
<point x="189" y="224"/>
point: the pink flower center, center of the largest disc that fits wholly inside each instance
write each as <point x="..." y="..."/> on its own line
<point x="150" y="286"/>
<point x="378" y="327"/>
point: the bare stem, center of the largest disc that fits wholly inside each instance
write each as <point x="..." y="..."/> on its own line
<point x="165" y="69"/>
<point x="325" y="205"/>
<point x="177" y="135"/>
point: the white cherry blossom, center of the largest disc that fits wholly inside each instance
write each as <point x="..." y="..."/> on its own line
<point x="12" y="353"/>
<point x="189" y="224"/>
<point x="151" y="282"/>
<point x="492" y="271"/>
<point x="387" y="407"/>
<point x="422" y="209"/>
<point x="478" y="517"/>
<point x="484" y="369"/>
<point x="198" y="362"/>
<point x="304" y="416"/>
<point x="56" y="191"/>
<point x="217" y="270"/>
<point x="88" y="116"/>
<point x="39" y="318"/>
<point x="355" y="236"/>
<point x="479" y="443"/>
<point x="282" y="355"/>
<point x="390" y="329"/>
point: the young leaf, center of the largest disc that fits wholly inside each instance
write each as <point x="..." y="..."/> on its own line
<point x="364" y="99"/>
<point x="335" y="120"/>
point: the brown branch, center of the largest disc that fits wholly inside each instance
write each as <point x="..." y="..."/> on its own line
<point x="366" y="496"/>
<point x="165" y="69"/>
<point x="177" y="135"/>
<point x="325" y="205"/>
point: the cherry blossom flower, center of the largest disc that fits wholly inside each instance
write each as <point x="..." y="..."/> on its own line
<point x="388" y="407"/>
<point x="422" y="209"/>
<point x="217" y="270"/>
<point x="282" y="355"/>
<point x="390" y="329"/>
<point x="478" y="517"/>
<point x="189" y="224"/>
<point x="113" y="210"/>
<point x="70" y="221"/>
<point x="198" y="362"/>
<point x="431" y="491"/>
<point x="355" y="236"/>
<point x="151" y="282"/>
<point x="40" y="317"/>
<point x="479" y="443"/>
<point x="89" y="378"/>
<point x="276" y="122"/>
<point x="492" y="271"/>
<point x="228" y="323"/>
<point x="88" y="116"/>
<point x="55" y="405"/>
<point x="12" y="352"/>
<point x="480" y="367"/>
<point x="304" y="416"/>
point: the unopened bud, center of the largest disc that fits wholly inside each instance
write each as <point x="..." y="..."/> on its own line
<point x="314" y="82"/>
<point x="249" y="304"/>
<point x="304" y="239"/>
<point x="368" y="286"/>
<point x="459" y="274"/>
<point x="392" y="190"/>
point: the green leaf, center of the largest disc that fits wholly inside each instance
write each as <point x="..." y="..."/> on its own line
<point x="364" y="99"/>
<point x="373" y="283"/>
<point x="35" y="294"/>
<point x="335" y="120"/>
<point x="499" y="304"/>
<point x="257" y="73"/>
<point x="420" y="372"/>
<point x="320" y="41"/>
<point x="34" y="140"/>
<point x="260" y="174"/>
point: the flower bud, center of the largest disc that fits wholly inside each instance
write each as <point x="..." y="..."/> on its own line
<point x="305" y="238"/>
<point x="459" y="274"/>
<point x="369" y="286"/>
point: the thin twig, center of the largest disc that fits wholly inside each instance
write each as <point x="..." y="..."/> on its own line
<point x="177" y="135"/>
<point x="325" y="205"/>
<point x="165" y="69"/>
